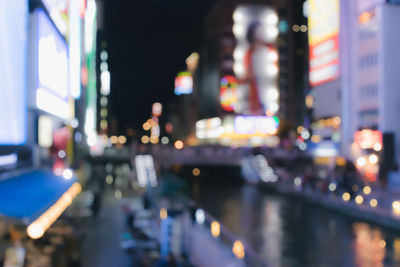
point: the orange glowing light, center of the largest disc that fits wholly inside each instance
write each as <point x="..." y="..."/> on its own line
<point x="163" y="213"/>
<point x="196" y="171"/>
<point x="37" y="228"/>
<point x="215" y="229"/>
<point x="114" y="139"/>
<point x="178" y="144"/>
<point x="238" y="249"/>
<point x="269" y="113"/>
<point x="364" y="17"/>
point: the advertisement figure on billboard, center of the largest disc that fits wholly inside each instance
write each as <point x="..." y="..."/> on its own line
<point x="254" y="65"/>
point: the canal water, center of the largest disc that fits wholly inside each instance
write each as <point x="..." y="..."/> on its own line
<point x="286" y="232"/>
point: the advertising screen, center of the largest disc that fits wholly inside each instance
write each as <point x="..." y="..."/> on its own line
<point x="228" y="93"/>
<point x="256" y="59"/>
<point x="323" y="22"/>
<point x="74" y="49"/>
<point x="58" y="10"/>
<point x="12" y="71"/>
<point x="183" y="83"/>
<point x="52" y="88"/>
<point x="256" y="124"/>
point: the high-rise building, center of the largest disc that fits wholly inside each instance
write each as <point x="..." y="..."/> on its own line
<point x="220" y="57"/>
<point x="353" y="66"/>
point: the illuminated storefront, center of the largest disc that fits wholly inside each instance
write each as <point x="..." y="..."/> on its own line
<point x="239" y="131"/>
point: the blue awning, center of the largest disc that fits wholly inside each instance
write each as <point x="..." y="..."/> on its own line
<point x="26" y="196"/>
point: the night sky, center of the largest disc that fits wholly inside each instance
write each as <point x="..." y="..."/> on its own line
<point x="148" y="42"/>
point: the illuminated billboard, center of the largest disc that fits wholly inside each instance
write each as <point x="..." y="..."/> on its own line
<point x="209" y="128"/>
<point x="256" y="59"/>
<point x="256" y="124"/>
<point x="368" y="139"/>
<point x="52" y="94"/>
<point x="228" y="92"/>
<point x="183" y="83"/>
<point x="74" y="49"/>
<point x="58" y="11"/>
<point x="323" y="37"/>
<point x="12" y="71"/>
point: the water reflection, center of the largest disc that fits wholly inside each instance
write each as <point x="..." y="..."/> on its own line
<point x="286" y="232"/>
<point x="369" y="245"/>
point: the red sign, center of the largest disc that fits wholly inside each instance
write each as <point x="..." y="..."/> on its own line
<point x="324" y="61"/>
<point x="228" y="92"/>
<point x="368" y="138"/>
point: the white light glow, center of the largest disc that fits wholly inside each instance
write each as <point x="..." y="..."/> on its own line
<point x="200" y="217"/>
<point x="302" y="146"/>
<point x="58" y="21"/>
<point x="273" y="55"/>
<point x="305" y="134"/>
<point x="74" y="123"/>
<point x="325" y="152"/>
<point x="68" y="174"/>
<point x="103" y="66"/>
<point x="238" y="53"/>
<point x="164" y="140"/>
<point x="272" y="18"/>
<point x="103" y="55"/>
<point x="105" y="79"/>
<point x="273" y="94"/>
<point x="273" y="107"/>
<point x="373" y="159"/>
<point x="50" y="103"/>
<point x="53" y="66"/>
<point x="361" y="162"/>
<point x="239" y="69"/>
<point x="74" y="49"/>
<point x="332" y="187"/>
<point x="253" y="124"/>
<point x="89" y="25"/>
<point x="239" y="31"/>
<point x="145" y="171"/>
<point x="272" y="70"/>
<point x="61" y="154"/>
<point x="10" y="159"/>
<point x="272" y="32"/>
<point x="238" y="16"/>
<point x="91" y="139"/>
<point x="45" y="131"/>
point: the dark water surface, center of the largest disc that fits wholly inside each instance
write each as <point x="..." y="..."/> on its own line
<point x="288" y="233"/>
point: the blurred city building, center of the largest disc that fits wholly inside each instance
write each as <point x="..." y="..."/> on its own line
<point x="236" y="75"/>
<point x="47" y="106"/>
<point x="352" y="63"/>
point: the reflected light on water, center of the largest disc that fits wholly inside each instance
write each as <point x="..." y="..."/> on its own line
<point x="369" y="246"/>
<point x="272" y="232"/>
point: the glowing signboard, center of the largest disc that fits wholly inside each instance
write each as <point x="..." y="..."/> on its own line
<point x="368" y="138"/>
<point x="74" y="48"/>
<point x="183" y="83"/>
<point x="13" y="36"/>
<point x="324" y="22"/>
<point x="209" y="128"/>
<point x="58" y="11"/>
<point x="228" y="92"/>
<point x="52" y="87"/>
<point x="254" y="124"/>
<point x="255" y="59"/>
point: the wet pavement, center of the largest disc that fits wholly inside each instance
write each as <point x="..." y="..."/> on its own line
<point x="101" y="247"/>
